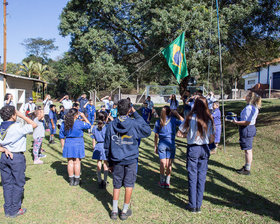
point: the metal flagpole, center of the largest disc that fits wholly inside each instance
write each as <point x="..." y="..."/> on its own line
<point x="221" y="75"/>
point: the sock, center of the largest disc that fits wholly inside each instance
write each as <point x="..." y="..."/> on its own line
<point x="115" y="206"/>
<point x="71" y="176"/>
<point x="247" y="166"/>
<point x="125" y="208"/>
<point x="162" y="178"/>
<point x="167" y="180"/>
<point x="105" y="175"/>
<point x="99" y="176"/>
<point x="77" y="176"/>
<point x="50" y="138"/>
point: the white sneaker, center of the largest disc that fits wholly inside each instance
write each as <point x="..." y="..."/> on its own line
<point x="38" y="161"/>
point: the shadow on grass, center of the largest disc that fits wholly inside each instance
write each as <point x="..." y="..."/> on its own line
<point x="244" y="199"/>
<point x="87" y="182"/>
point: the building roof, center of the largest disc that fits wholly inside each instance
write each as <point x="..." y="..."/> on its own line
<point x="23" y="77"/>
<point x="251" y="75"/>
<point x="274" y="61"/>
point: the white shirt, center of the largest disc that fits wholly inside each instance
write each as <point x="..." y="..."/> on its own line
<point x="108" y="104"/>
<point x="192" y="135"/>
<point x="31" y="106"/>
<point x="15" y="139"/>
<point x="249" y="113"/>
<point x="67" y="104"/>
<point x="150" y="104"/>
<point x="39" y="132"/>
<point x="10" y="104"/>
<point x="47" y="104"/>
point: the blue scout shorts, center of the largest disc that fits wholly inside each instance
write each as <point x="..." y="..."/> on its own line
<point x="247" y="134"/>
<point x="124" y="175"/>
<point x="166" y="151"/>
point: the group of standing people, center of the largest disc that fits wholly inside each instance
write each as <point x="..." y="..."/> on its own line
<point x="116" y="143"/>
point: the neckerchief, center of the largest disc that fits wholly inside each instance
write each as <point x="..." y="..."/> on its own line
<point x="4" y="128"/>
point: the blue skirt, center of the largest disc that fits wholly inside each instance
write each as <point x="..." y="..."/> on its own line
<point x="99" y="152"/>
<point x="74" y="148"/>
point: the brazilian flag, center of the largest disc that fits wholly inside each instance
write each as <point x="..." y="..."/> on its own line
<point x="175" y="57"/>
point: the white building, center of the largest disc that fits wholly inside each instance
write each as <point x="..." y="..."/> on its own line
<point x="19" y="86"/>
<point x="270" y="72"/>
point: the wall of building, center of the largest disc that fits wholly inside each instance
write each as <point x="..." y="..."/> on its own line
<point x="15" y="83"/>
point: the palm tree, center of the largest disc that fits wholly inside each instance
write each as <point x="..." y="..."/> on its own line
<point x="27" y="69"/>
<point x="40" y="70"/>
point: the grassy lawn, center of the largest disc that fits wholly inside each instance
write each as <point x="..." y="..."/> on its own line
<point x="228" y="197"/>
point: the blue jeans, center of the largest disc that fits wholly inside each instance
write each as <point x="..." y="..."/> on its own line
<point x="197" y="165"/>
<point x="13" y="180"/>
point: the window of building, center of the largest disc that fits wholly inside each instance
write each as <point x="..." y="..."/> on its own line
<point x="251" y="82"/>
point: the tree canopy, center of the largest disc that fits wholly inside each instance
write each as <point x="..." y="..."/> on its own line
<point x="39" y="48"/>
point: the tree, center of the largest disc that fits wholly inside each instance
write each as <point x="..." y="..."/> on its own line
<point x="125" y="34"/>
<point x="12" y="68"/>
<point x="27" y="69"/>
<point x="40" y="70"/>
<point x="39" y="47"/>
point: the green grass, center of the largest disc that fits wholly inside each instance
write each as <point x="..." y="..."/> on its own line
<point x="228" y="197"/>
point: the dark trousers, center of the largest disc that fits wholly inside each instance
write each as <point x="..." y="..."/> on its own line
<point x="13" y="180"/>
<point x="197" y="165"/>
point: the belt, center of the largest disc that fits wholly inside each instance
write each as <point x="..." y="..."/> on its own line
<point x="17" y="152"/>
<point x="190" y="145"/>
<point x="99" y="142"/>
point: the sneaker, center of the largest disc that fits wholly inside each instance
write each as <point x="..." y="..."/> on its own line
<point x="214" y="151"/>
<point x="43" y="150"/>
<point x="161" y="185"/>
<point x="22" y="211"/>
<point x="243" y="171"/>
<point x="7" y="215"/>
<point x="52" y="142"/>
<point x="76" y="181"/>
<point x="38" y="161"/>
<point x="71" y="181"/>
<point x="190" y="209"/>
<point x="114" y="215"/>
<point x="198" y="210"/>
<point x="42" y="155"/>
<point x="124" y="216"/>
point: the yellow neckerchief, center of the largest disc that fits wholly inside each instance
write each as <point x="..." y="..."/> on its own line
<point x="5" y="132"/>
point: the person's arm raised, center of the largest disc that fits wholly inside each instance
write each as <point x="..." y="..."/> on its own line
<point x="28" y="120"/>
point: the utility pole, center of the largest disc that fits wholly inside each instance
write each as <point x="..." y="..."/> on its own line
<point x="5" y="44"/>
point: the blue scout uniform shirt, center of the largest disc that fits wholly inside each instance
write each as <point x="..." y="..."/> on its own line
<point x="173" y="104"/>
<point x="90" y="109"/>
<point x="145" y="113"/>
<point x="114" y="112"/>
<point x="76" y="131"/>
<point x="52" y="115"/>
<point x="98" y="135"/>
<point x="193" y="137"/>
<point x="249" y="113"/>
<point x="217" y="116"/>
<point x="168" y="132"/>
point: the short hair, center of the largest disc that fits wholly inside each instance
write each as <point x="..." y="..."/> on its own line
<point x="38" y="108"/>
<point x="6" y="96"/>
<point x="52" y="105"/>
<point x="75" y="105"/>
<point x="61" y="106"/>
<point x="123" y="107"/>
<point x="7" y="112"/>
<point x="200" y="91"/>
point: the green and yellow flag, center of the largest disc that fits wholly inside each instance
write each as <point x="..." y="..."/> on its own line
<point x="175" y="57"/>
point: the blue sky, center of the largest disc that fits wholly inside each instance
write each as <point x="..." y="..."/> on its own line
<point x="31" y="19"/>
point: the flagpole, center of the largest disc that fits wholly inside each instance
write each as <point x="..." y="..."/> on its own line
<point x="138" y="69"/>
<point x="221" y="75"/>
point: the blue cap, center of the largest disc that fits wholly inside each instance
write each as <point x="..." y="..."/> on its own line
<point x="30" y="98"/>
